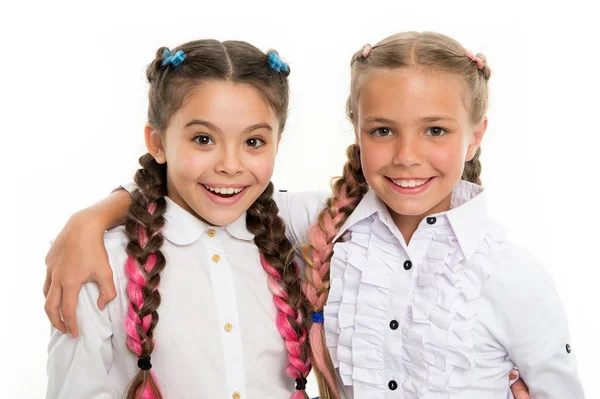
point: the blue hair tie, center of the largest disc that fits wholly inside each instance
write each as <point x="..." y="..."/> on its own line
<point x="276" y="63"/>
<point x="317" y="317"/>
<point x="173" y="59"/>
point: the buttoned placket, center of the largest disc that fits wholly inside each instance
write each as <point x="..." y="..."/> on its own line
<point x="402" y="287"/>
<point x="224" y="290"/>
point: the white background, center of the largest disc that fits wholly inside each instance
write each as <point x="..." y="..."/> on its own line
<point x="73" y="107"/>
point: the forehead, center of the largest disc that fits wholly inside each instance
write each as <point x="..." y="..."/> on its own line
<point x="407" y="94"/>
<point x="231" y="106"/>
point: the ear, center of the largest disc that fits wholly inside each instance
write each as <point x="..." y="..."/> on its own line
<point x="476" y="140"/>
<point x="154" y="144"/>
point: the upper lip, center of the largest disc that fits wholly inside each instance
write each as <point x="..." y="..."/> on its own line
<point x="220" y="185"/>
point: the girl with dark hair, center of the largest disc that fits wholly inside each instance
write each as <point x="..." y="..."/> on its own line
<point x="203" y="246"/>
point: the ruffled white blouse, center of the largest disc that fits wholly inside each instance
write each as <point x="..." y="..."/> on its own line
<point x="446" y="316"/>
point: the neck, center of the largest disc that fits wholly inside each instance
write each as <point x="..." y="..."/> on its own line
<point x="408" y="224"/>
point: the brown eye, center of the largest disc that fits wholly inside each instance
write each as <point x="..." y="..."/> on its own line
<point x="203" y="139"/>
<point x="255" y="142"/>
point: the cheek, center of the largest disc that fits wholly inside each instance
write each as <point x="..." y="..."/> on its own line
<point x="261" y="166"/>
<point x="187" y="164"/>
<point x="449" y="157"/>
<point x="373" y="157"/>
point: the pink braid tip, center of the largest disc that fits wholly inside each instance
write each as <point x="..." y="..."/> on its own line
<point x="299" y="395"/>
<point x="315" y="337"/>
<point x="146" y="390"/>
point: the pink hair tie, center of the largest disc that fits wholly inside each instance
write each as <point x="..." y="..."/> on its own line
<point x="366" y="50"/>
<point x="476" y="59"/>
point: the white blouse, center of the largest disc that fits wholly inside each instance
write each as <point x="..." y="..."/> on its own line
<point x="449" y="314"/>
<point x="216" y="337"/>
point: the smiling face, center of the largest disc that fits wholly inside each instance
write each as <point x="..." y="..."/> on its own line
<point x="220" y="149"/>
<point x="415" y="135"/>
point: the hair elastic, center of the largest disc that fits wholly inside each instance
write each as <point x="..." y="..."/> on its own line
<point x="173" y="59"/>
<point x="366" y="50"/>
<point x="276" y="63"/>
<point x="301" y="384"/>
<point x="144" y="363"/>
<point x="475" y="58"/>
<point x="317" y="317"/>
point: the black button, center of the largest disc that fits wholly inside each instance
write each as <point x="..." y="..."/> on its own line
<point x="407" y="265"/>
<point x="392" y="385"/>
<point x="568" y="348"/>
<point x="431" y="220"/>
<point x="394" y="324"/>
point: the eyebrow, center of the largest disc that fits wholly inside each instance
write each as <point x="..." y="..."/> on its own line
<point x="437" y="118"/>
<point x="258" y="126"/>
<point x="379" y="120"/>
<point x="211" y="126"/>
<point x="202" y="123"/>
<point x="426" y="119"/>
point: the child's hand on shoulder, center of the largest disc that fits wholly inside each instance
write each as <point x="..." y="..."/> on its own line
<point x="76" y="256"/>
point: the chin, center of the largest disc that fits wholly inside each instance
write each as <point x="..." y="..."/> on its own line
<point x="408" y="210"/>
<point x="211" y="214"/>
<point x="222" y="220"/>
<point x="220" y="217"/>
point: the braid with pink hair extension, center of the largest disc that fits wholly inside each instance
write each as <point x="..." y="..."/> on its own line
<point x="143" y="266"/>
<point x="348" y="190"/>
<point x="269" y="236"/>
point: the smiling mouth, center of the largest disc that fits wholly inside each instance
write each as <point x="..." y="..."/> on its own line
<point x="410" y="183"/>
<point x="225" y="192"/>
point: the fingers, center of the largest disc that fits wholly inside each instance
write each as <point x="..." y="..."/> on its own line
<point x="47" y="283"/>
<point x="520" y="390"/>
<point x="70" y="296"/>
<point x="107" y="288"/>
<point x="52" y="307"/>
<point x="49" y="261"/>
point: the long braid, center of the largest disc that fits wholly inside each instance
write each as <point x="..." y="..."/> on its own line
<point x="269" y="230"/>
<point x="472" y="170"/>
<point x="143" y="266"/>
<point x="348" y="190"/>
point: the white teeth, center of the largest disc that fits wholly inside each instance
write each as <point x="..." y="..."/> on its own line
<point x="223" y="190"/>
<point x="409" y="183"/>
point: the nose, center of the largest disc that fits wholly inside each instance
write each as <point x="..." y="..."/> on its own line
<point x="407" y="151"/>
<point x="230" y="163"/>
